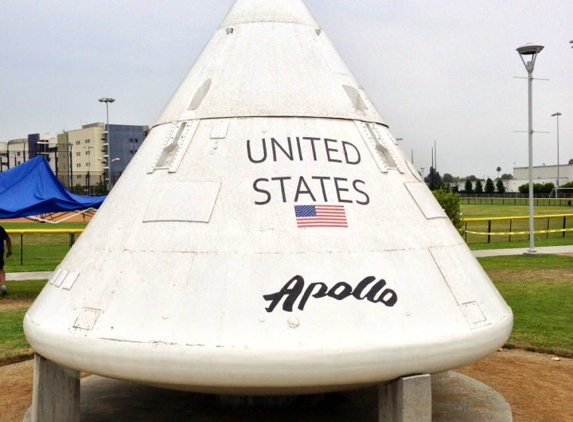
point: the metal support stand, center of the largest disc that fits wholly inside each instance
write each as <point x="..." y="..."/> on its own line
<point x="56" y="396"/>
<point x="407" y="399"/>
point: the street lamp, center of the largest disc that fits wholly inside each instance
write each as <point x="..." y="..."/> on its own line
<point x="530" y="51"/>
<point x="107" y="102"/>
<point x="557" y="185"/>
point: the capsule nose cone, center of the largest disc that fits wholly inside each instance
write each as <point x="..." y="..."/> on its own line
<point x="269" y="237"/>
<point x="256" y="11"/>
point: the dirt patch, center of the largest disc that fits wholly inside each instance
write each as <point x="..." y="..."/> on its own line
<point x="557" y="275"/>
<point x="15" y="304"/>
<point x="69" y="217"/>
<point x="16" y="391"/>
<point x="537" y="387"/>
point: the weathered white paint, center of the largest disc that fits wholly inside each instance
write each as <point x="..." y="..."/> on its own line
<point x="169" y="290"/>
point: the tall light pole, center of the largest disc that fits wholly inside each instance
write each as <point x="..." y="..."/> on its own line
<point x="107" y="102"/>
<point x="530" y="51"/>
<point x="557" y="185"/>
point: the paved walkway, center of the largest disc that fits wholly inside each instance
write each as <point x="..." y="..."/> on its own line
<point x="45" y="275"/>
<point x="520" y="251"/>
<point x="36" y="275"/>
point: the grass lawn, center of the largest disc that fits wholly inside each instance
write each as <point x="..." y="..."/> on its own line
<point x="13" y="344"/>
<point x="538" y="289"/>
<point x="480" y="211"/>
<point x="480" y="241"/>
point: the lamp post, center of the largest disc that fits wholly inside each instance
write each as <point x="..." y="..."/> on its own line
<point x="107" y="102"/>
<point x="557" y="185"/>
<point x="71" y="165"/>
<point x="530" y="51"/>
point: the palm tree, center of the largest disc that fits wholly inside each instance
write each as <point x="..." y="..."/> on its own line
<point x="498" y="169"/>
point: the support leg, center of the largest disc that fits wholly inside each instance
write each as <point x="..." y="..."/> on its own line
<point x="407" y="399"/>
<point x="56" y="396"/>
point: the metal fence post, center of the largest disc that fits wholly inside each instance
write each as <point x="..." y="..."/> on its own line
<point x="21" y="248"/>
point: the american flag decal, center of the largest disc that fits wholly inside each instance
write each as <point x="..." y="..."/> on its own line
<point x="320" y="216"/>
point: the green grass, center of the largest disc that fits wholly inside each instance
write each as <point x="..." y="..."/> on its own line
<point x="37" y="251"/>
<point x="34" y="225"/>
<point x="542" y="316"/>
<point x="540" y="241"/>
<point x="13" y="344"/>
<point x="20" y="290"/>
<point x="479" y="211"/>
<point x="539" y="291"/>
<point x="526" y="263"/>
<point x="481" y="241"/>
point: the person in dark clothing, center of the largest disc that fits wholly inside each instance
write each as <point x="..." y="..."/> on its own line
<point x="4" y="238"/>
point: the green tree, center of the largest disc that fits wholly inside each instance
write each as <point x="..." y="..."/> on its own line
<point x="450" y="202"/>
<point x="433" y="179"/>
<point x="78" y="189"/>
<point x="500" y="186"/>
<point x="469" y="187"/>
<point x="100" y="189"/>
<point x="489" y="186"/>
<point x="506" y="176"/>
<point x="448" y="178"/>
<point x="479" y="186"/>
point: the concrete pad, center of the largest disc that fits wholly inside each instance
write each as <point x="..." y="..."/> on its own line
<point x="455" y="398"/>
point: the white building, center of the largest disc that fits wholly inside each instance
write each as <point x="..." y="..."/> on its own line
<point x="541" y="174"/>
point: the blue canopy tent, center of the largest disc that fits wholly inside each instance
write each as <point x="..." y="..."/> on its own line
<point x="32" y="189"/>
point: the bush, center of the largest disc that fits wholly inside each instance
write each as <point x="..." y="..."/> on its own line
<point x="537" y="188"/>
<point x="450" y="202"/>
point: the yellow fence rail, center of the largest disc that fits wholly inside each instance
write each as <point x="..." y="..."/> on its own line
<point x="516" y="200"/>
<point x="516" y="228"/>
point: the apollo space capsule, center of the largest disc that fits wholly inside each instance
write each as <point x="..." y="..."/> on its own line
<point x="269" y="237"/>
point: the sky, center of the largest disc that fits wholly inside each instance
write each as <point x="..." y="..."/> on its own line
<point x="441" y="73"/>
